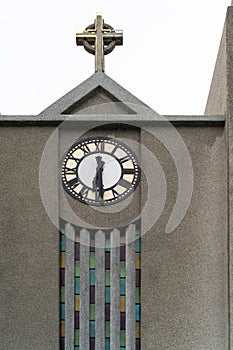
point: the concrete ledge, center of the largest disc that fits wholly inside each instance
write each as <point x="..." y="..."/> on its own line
<point x="19" y="120"/>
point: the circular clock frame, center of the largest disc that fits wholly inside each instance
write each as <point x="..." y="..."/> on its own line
<point x="103" y="147"/>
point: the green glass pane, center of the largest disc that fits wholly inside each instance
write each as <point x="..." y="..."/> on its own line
<point x="138" y="295"/>
<point x="76" y="337"/>
<point x="77" y="268"/>
<point x="107" y="242"/>
<point x="122" y="338"/>
<point x="107" y="329"/>
<point x="62" y="294"/>
<point x="123" y="269"/>
<point x="92" y="312"/>
<point x="107" y="278"/>
<point x="92" y="260"/>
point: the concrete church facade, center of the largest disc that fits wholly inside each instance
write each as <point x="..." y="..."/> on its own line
<point x="164" y="254"/>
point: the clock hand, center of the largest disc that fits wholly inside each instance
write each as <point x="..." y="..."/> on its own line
<point x="98" y="179"/>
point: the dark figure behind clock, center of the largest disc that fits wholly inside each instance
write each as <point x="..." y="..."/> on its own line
<point x="98" y="179"/>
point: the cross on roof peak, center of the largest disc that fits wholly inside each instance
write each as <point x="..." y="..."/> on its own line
<point x="99" y="39"/>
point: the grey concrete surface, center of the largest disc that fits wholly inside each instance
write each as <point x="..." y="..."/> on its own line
<point x="29" y="262"/>
<point x="217" y="99"/>
<point x="185" y="273"/>
<point x="229" y="133"/>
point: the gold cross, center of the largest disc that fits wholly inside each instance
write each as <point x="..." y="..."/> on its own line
<point x="99" y="39"/>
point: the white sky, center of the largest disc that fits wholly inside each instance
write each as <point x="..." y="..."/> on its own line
<point x="167" y="60"/>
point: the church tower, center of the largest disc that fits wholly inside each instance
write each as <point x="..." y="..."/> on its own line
<point x="116" y="221"/>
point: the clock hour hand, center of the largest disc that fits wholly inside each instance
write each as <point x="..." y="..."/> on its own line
<point x="98" y="179"/>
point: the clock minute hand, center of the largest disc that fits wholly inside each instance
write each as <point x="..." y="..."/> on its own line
<point x="98" y="179"/>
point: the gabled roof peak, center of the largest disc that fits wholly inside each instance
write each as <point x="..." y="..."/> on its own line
<point x="95" y="91"/>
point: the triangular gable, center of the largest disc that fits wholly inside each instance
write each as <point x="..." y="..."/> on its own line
<point x="93" y="93"/>
<point x="99" y="101"/>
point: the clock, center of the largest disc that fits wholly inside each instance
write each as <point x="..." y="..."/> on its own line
<point x="100" y="171"/>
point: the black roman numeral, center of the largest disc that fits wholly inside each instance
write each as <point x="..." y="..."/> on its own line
<point x="70" y="171"/>
<point x="84" y="192"/>
<point x="129" y="171"/>
<point x="75" y="159"/>
<point x="115" y="193"/>
<point x="125" y="184"/>
<point x="99" y="146"/>
<point x="85" y="149"/>
<point x="124" y="159"/>
<point x="73" y="183"/>
<point x="114" y="149"/>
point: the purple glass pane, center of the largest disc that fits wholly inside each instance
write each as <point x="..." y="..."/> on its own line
<point x="107" y="260"/>
<point x="62" y="277"/>
<point x="123" y="321"/>
<point x="62" y="343"/>
<point x="107" y="312"/>
<point x="77" y="251"/>
<point x="92" y="294"/>
<point x="92" y="245"/>
<point x="76" y="320"/>
<point x="138" y="278"/>
<point x="138" y="344"/>
<point x="122" y="253"/>
<point x="92" y="343"/>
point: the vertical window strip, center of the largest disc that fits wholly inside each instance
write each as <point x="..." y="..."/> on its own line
<point x="107" y="292"/>
<point x="123" y="292"/>
<point x="84" y="335"/>
<point x="62" y="289"/>
<point x="69" y="287"/>
<point x="130" y="287"/>
<point x="138" y="289"/>
<point x="77" y="291"/>
<point x="115" y="290"/>
<point x="100" y="290"/>
<point x="92" y="286"/>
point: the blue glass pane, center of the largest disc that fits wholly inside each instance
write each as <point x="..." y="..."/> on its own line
<point x="92" y="277"/>
<point x="138" y="313"/>
<point x="122" y="285"/>
<point x="62" y="243"/>
<point x="92" y="329"/>
<point x="138" y="245"/>
<point x="77" y="285"/>
<point x="62" y="308"/>
<point x="107" y="344"/>
<point x="107" y="295"/>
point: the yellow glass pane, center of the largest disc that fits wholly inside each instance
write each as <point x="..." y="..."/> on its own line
<point x="62" y="328"/>
<point x="138" y="261"/>
<point x="123" y="302"/>
<point x="62" y="260"/>
<point x="77" y="302"/>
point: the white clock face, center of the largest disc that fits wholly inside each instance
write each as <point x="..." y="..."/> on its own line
<point x="111" y="174"/>
<point x="100" y="171"/>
